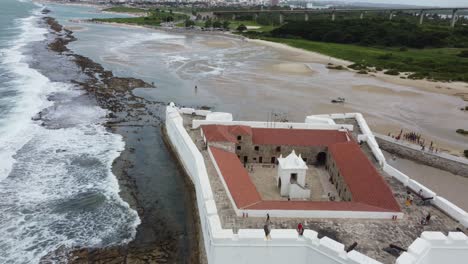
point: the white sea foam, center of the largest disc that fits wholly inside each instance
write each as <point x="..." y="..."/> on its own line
<point x="32" y="88"/>
<point x="56" y="185"/>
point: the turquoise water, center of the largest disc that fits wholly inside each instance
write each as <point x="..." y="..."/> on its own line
<point x="56" y="184"/>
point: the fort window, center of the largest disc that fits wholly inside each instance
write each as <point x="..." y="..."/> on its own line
<point x="293" y="177"/>
<point x="239" y="137"/>
<point x="273" y="160"/>
<point x="278" y="149"/>
<point x="260" y="159"/>
<point x="256" y="148"/>
<point x="238" y="147"/>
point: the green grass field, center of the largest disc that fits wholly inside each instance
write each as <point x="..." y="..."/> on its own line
<point x="235" y="23"/>
<point x="154" y="19"/>
<point x="438" y="63"/>
<point x="123" y="9"/>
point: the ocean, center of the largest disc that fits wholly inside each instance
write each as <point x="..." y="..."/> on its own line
<point x="56" y="184"/>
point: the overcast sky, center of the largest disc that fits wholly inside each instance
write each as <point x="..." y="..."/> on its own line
<point x="448" y="3"/>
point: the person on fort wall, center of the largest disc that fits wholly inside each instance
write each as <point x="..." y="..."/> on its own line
<point x="409" y="198"/>
<point x="267" y="228"/>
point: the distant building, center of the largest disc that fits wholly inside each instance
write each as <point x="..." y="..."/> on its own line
<point x="274" y="2"/>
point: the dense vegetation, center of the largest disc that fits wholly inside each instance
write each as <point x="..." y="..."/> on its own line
<point x="376" y="32"/>
<point x="155" y="18"/>
<point x="123" y="9"/>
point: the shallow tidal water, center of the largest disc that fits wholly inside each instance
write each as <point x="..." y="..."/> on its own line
<point x="56" y="184"/>
<point x="252" y="81"/>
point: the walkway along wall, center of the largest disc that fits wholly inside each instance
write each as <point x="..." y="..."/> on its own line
<point x="441" y="161"/>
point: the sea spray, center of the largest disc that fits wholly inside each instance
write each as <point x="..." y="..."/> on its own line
<point x="56" y="183"/>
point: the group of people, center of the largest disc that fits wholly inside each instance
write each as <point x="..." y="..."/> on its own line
<point x="267" y="228"/>
<point x="415" y="138"/>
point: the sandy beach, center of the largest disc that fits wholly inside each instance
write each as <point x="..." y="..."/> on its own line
<point x="388" y="102"/>
<point x="450" y="88"/>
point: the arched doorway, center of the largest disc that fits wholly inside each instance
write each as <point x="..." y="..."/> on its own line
<point x="321" y="158"/>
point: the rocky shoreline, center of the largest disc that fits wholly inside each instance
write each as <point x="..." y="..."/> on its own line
<point x="139" y="122"/>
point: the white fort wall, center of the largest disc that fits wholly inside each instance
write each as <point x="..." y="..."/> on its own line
<point x="436" y="248"/>
<point x="248" y="245"/>
<point x="449" y="208"/>
<point x="285" y="246"/>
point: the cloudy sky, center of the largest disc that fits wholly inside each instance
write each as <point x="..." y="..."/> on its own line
<point x="447" y="3"/>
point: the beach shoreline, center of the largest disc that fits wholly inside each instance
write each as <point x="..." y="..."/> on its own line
<point x="137" y="121"/>
<point x="296" y="61"/>
<point x="459" y="89"/>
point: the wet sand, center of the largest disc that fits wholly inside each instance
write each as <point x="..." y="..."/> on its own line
<point x="365" y="95"/>
<point x="451" y="88"/>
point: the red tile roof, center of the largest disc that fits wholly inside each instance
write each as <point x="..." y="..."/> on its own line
<point x="237" y="179"/>
<point x="365" y="183"/>
<point x="297" y="137"/>
<point x="275" y="136"/>
<point x="369" y="190"/>
<point x="240" y="130"/>
<point x="221" y="133"/>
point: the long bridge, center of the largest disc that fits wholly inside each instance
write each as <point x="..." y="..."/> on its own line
<point x="392" y="11"/>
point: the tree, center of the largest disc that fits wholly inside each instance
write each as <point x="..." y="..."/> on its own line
<point x="189" y="23"/>
<point x="226" y="24"/>
<point x="208" y="23"/>
<point x="169" y="19"/>
<point x="241" y="28"/>
<point x="217" y="24"/>
<point x="463" y="54"/>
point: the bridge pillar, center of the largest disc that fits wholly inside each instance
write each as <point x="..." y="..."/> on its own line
<point x="454" y="18"/>
<point x="391" y="15"/>
<point x="306" y="17"/>
<point x="281" y="18"/>
<point x="255" y="17"/>
<point x="233" y="16"/>
<point x="362" y="15"/>
<point x="333" y="16"/>
<point x="421" y="16"/>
